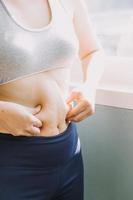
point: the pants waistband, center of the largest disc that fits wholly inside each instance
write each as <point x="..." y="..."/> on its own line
<point x="38" y="151"/>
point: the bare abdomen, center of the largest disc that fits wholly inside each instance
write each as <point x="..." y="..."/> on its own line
<point x="49" y="89"/>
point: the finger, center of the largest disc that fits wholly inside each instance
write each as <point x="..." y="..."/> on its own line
<point x="36" y="122"/>
<point x="34" y="110"/>
<point x="35" y="131"/>
<point x="83" y="115"/>
<point x="75" y="95"/>
<point x="70" y="106"/>
<point x="77" y="109"/>
<point x="25" y="133"/>
<point x="70" y="98"/>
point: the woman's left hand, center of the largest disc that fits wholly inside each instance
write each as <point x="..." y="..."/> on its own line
<point x="85" y="105"/>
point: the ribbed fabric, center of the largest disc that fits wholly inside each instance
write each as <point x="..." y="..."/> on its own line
<point x="25" y="51"/>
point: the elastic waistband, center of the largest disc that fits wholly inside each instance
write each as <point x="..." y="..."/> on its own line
<point x="39" y="139"/>
<point x="38" y="152"/>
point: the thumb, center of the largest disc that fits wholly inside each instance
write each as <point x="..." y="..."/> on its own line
<point x="70" y="106"/>
<point x="71" y="97"/>
<point x="35" y="110"/>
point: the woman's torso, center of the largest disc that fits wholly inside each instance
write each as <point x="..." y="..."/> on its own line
<point x="39" y="85"/>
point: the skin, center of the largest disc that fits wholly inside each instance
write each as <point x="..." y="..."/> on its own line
<point x="20" y="98"/>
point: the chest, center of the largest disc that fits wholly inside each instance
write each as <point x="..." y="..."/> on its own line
<point x="25" y="50"/>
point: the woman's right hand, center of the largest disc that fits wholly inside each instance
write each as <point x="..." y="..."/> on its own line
<point x="17" y="119"/>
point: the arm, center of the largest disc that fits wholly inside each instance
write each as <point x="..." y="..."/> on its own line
<point x="17" y="119"/>
<point x="91" y="53"/>
<point x="92" y="57"/>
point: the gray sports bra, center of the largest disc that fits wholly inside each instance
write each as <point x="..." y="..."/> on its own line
<point x="25" y="51"/>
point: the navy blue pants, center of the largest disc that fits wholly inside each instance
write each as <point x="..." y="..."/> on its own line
<point x="41" y="167"/>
